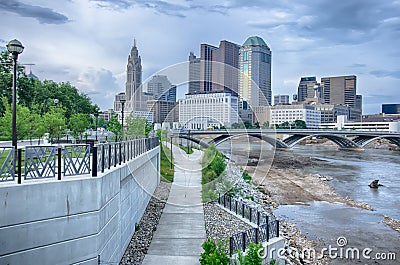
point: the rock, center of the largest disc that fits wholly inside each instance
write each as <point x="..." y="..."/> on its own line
<point x="375" y="184"/>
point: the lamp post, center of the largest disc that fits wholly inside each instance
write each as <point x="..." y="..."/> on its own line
<point x="171" y="152"/>
<point x="58" y="133"/>
<point x="15" y="48"/>
<point x="96" y="115"/>
<point x="122" y="100"/>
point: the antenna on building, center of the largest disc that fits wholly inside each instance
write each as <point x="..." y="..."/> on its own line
<point x="134" y="42"/>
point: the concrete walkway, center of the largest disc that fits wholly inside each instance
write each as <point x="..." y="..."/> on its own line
<point x="181" y="230"/>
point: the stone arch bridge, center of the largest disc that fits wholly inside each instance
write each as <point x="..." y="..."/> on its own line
<point x="347" y="140"/>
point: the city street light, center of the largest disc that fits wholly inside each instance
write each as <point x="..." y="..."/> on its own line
<point x="122" y="100"/>
<point x="96" y="115"/>
<point x="15" y="48"/>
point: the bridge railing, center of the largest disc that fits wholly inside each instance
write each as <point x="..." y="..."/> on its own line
<point x="40" y="162"/>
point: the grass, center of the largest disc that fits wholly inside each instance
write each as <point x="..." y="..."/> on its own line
<point x="167" y="173"/>
<point x="213" y="168"/>
<point x="186" y="149"/>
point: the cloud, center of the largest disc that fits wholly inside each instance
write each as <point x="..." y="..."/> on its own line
<point x="386" y="73"/>
<point x="42" y="14"/>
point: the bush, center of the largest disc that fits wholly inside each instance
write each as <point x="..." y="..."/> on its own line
<point x="251" y="257"/>
<point x="213" y="254"/>
<point x="246" y="177"/>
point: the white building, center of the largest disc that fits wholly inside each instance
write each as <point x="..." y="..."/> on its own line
<point x="343" y="124"/>
<point x="199" y="111"/>
<point x="290" y="113"/>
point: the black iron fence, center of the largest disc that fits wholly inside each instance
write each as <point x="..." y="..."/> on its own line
<point x="37" y="162"/>
<point x="263" y="233"/>
<point x="267" y="226"/>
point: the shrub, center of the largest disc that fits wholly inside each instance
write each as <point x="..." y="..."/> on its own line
<point x="213" y="254"/>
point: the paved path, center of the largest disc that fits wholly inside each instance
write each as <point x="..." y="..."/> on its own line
<point x="181" y="230"/>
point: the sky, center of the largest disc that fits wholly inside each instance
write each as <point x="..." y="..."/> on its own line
<point x="87" y="42"/>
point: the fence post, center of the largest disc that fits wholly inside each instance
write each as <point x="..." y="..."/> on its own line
<point x="235" y="206"/>
<point x="244" y="241"/>
<point x="59" y="162"/>
<point x="115" y="154"/>
<point x="219" y="198"/>
<point x="124" y="152"/>
<point x="120" y="153"/>
<point x="267" y="228"/>
<point x="256" y="235"/>
<point x="94" y="162"/>
<point x="277" y="228"/>
<point x="224" y="201"/>
<point x="242" y="209"/>
<point x="19" y="157"/>
<point x="102" y="158"/>
<point x="230" y="246"/>
<point x="258" y="218"/>
<point x="251" y="213"/>
<point x="109" y="156"/>
<point x="230" y="203"/>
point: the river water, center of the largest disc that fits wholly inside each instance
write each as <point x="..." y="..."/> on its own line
<point x="351" y="172"/>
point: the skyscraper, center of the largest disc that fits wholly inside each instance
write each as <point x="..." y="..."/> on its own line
<point x="133" y="73"/>
<point x="194" y="74"/>
<point x="342" y="90"/>
<point x="306" y="88"/>
<point x="161" y="88"/>
<point x="255" y="72"/>
<point x="219" y="67"/>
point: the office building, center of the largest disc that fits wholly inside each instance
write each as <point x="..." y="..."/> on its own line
<point x="218" y="68"/>
<point x="194" y="74"/>
<point x="281" y="99"/>
<point x="342" y="90"/>
<point x="306" y="88"/>
<point x="330" y="112"/>
<point x="133" y="75"/>
<point x="290" y="113"/>
<point x="344" y="124"/>
<point x="160" y="88"/>
<point x="163" y="110"/>
<point x="255" y="72"/>
<point x="200" y="111"/>
<point x="391" y="108"/>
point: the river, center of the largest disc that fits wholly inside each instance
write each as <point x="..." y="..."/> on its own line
<point x="351" y="172"/>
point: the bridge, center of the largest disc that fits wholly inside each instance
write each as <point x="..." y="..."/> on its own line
<point x="346" y="140"/>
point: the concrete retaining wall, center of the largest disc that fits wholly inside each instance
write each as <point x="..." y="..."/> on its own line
<point x="78" y="219"/>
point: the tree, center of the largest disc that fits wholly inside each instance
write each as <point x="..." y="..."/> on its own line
<point x="257" y="125"/>
<point x="137" y="126"/>
<point x="23" y="122"/>
<point x="247" y="125"/>
<point x="300" y="124"/>
<point x="114" y="126"/>
<point x="265" y="125"/>
<point x="54" y="122"/>
<point x="78" y="123"/>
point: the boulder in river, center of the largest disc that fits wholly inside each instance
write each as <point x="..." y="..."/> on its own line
<point x="375" y="184"/>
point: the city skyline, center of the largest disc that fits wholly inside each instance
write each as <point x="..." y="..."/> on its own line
<point x="89" y="47"/>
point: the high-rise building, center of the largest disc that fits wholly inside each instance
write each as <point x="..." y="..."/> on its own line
<point x="117" y="101"/>
<point x="342" y="90"/>
<point x="219" y="68"/>
<point x="133" y="74"/>
<point x="163" y="110"/>
<point x="281" y="99"/>
<point x="194" y="74"/>
<point x="255" y="72"/>
<point x="391" y="108"/>
<point x="161" y="88"/>
<point x="306" y="88"/>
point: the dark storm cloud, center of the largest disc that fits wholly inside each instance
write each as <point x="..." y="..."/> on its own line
<point x="42" y="14"/>
<point x="385" y="73"/>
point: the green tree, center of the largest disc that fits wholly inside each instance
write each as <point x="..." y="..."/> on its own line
<point x="300" y="124"/>
<point x="114" y="126"/>
<point x="54" y="122"/>
<point x="23" y="122"/>
<point x="78" y="123"/>
<point x="247" y="125"/>
<point x="265" y="125"/>
<point x="137" y="126"/>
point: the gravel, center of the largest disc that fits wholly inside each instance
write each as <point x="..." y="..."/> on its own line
<point x="141" y="239"/>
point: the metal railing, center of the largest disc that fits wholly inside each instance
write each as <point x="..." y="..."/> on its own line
<point x="267" y="226"/>
<point x="39" y="162"/>
<point x="263" y="233"/>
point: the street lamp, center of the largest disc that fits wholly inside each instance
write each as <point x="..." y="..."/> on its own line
<point x="122" y="100"/>
<point x="96" y="115"/>
<point x="15" y="48"/>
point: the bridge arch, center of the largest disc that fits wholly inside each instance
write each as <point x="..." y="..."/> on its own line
<point x="195" y="140"/>
<point x="339" y="140"/>
<point x="363" y="140"/>
<point x="271" y="140"/>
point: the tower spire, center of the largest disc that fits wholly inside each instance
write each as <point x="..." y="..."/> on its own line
<point x="134" y="42"/>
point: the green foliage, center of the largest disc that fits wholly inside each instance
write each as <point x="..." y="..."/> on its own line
<point x="54" y="122"/>
<point x="214" y="254"/>
<point x="252" y="257"/>
<point x="213" y="166"/>
<point x="237" y="126"/>
<point x="246" y="176"/>
<point x="78" y="123"/>
<point x="166" y="171"/>
<point x="114" y="126"/>
<point x="137" y="126"/>
<point x="299" y="124"/>
<point x="273" y="262"/>
<point x="265" y="125"/>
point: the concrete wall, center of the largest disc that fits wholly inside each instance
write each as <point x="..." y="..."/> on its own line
<point x="78" y="219"/>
